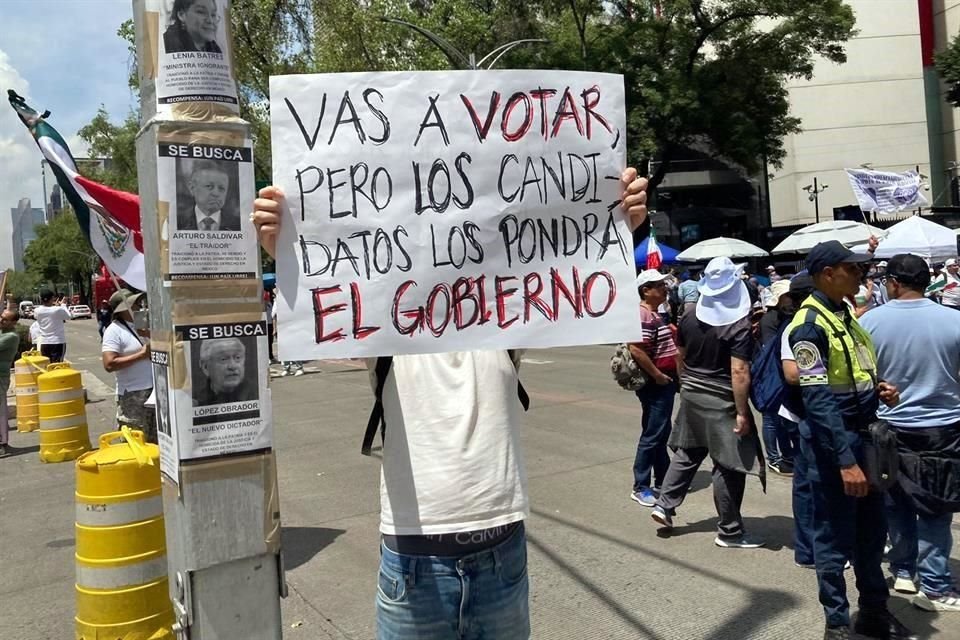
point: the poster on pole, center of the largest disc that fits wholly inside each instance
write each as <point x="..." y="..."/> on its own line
<point x="193" y="57"/>
<point x="441" y="211"/>
<point x="207" y="230"/>
<point x="219" y="391"/>
<point x="169" y="453"/>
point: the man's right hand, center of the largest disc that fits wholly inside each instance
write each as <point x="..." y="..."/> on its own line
<point x="266" y="218"/>
<point x="662" y="379"/>
<point x="854" y="482"/>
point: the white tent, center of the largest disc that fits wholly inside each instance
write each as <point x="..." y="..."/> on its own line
<point x="920" y="237"/>
<point x="849" y="233"/>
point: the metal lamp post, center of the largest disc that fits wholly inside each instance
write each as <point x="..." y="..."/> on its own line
<point x="814" y="190"/>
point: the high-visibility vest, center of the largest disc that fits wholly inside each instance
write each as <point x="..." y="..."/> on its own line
<point x="859" y="345"/>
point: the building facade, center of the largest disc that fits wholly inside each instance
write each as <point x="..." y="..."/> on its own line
<point x="24" y="220"/>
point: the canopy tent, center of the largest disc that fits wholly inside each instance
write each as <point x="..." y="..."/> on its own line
<point x="640" y="253"/>
<point x="920" y="237"/>
<point x="849" y="233"/>
<point x="720" y="247"/>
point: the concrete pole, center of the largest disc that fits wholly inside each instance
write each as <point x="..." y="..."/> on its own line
<point x="222" y="512"/>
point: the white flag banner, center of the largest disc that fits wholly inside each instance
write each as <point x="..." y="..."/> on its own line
<point x="887" y="192"/>
<point x="447" y="211"/>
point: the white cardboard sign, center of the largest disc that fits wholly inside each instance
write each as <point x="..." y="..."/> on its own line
<point x="443" y="211"/>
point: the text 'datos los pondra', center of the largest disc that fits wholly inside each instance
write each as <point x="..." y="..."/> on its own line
<point x="433" y="212"/>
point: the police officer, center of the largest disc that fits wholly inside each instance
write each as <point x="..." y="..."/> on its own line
<point x="837" y="367"/>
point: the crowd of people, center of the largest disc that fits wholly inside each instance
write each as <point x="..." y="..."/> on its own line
<point x="855" y="366"/>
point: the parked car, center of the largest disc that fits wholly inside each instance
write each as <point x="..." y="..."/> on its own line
<point x="26" y="309"/>
<point x="78" y="311"/>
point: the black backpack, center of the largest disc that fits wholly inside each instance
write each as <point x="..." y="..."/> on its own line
<point x="376" y="415"/>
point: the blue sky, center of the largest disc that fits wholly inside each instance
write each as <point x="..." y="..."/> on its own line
<point x="65" y="56"/>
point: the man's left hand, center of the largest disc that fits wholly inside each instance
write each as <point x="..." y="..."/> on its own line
<point x="633" y="201"/>
<point x="872" y="244"/>
<point x="889" y="394"/>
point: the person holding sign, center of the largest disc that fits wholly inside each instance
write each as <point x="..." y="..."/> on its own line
<point x="452" y="423"/>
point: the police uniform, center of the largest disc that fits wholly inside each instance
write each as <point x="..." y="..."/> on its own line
<point x="840" y="400"/>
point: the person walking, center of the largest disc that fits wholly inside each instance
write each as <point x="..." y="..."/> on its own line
<point x="9" y="345"/>
<point x="715" y="418"/>
<point x="918" y="349"/>
<point x="127" y="355"/>
<point x="104" y="317"/>
<point x="776" y="437"/>
<point x="688" y="293"/>
<point x="51" y="319"/>
<point x="836" y="366"/>
<point x="656" y="354"/>
<point x="450" y="559"/>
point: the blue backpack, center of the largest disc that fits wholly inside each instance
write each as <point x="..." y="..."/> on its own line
<point x="768" y="387"/>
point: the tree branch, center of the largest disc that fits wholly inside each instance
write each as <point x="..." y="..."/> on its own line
<point x="710" y="30"/>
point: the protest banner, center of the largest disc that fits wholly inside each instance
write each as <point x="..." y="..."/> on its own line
<point x="885" y="191"/>
<point x="443" y="211"/>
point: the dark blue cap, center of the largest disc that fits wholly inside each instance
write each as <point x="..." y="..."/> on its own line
<point x="831" y="253"/>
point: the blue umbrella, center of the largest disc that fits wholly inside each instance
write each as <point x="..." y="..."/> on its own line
<point x="640" y="253"/>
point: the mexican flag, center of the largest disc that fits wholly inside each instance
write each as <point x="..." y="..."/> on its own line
<point x="109" y="218"/>
<point x="654" y="256"/>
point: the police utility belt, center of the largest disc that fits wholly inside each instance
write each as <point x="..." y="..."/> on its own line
<point x="881" y="461"/>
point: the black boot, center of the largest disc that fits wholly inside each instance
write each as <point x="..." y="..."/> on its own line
<point x="881" y="624"/>
<point x="836" y="633"/>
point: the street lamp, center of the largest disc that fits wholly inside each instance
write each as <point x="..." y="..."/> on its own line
<point x="813" y="195"/>
<point x="454" y="55"/>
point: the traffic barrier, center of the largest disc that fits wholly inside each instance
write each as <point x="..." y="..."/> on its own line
<point x="121" y="550"/>
<point x="25" y="371"/>
<point x="63" y="414"/>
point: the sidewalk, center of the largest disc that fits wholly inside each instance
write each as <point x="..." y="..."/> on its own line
<point x="598" y="568"/>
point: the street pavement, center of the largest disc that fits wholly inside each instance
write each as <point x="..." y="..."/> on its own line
<point x="598" y="567"/>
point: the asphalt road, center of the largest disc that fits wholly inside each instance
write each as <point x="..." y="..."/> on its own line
<point x="598" y="567"/>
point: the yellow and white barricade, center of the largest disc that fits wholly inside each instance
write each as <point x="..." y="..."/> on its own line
<point x="25" y="372"/>
<point x="63" y="414"/>
<point x="121" y="550"/>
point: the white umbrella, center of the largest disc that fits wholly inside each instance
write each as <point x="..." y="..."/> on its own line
<point x="920" y="237"/>
<point x="849" y="233"/>
<point x="720" y="248"/>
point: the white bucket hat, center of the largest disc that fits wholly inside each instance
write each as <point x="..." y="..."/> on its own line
<point x="777" y="290"/>
<point x="724" y="297"/>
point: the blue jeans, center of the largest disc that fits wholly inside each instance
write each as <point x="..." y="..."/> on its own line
<point x="656" y="403"/>
<point x="776" y="439"/>
<point x="481" y="596"/>
<point x="921" y="544"/>
<point x="845" y="528"/>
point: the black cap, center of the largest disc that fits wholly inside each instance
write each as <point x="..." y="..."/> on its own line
<point x="831" y="253"/>
<point x="802" y="284"/>
<point x="909" y="269"/>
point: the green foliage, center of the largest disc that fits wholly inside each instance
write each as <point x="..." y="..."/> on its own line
<point x="61" y="253"/>
<point x="22" y="284"/>
<point x="948" y="66"/>
<point x="116" y="143"/>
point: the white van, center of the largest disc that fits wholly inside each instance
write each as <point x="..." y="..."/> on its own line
<point x="26" y="309"/>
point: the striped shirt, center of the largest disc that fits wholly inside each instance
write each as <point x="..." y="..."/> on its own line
<point x="658" y="341"/>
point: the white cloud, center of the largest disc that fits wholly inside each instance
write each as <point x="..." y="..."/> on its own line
<point x="19" y="160"/>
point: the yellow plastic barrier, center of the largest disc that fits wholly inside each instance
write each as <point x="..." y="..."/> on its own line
<point x="121" y="549"/>
<point x="63" y="414"/>
<point x="25" y="371"/>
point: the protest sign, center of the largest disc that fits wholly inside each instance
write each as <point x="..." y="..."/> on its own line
<point x="885" y="191"/>
<point x="216" y="389"/>
<point x="193" y="58"/>
<point x="205" y="225"/>
<point x="443" y="211"/>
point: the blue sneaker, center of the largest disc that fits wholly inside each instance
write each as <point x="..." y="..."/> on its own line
<point x="645" y="497"/>
<point x="661" y="517"/>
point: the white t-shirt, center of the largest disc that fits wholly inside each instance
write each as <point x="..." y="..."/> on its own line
<point x="951" y="292"/>
<point x="786" y="353"/>
<point x="35" y="332"/>
<point x="120" y="340"/>
<point x="452" y="459"/>
<point x="51" y="321"/>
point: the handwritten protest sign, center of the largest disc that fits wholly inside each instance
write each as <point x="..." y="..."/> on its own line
<point x="445" y="211"/>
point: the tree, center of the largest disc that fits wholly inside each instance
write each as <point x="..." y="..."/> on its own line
<point x="117" y="143"/>
<point x="948" y="66"/>
<point x="61" y="253"/>
<point x="22" y="284"/>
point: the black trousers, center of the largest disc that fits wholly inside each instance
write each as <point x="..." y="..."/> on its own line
<point x="55" y="352"/>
